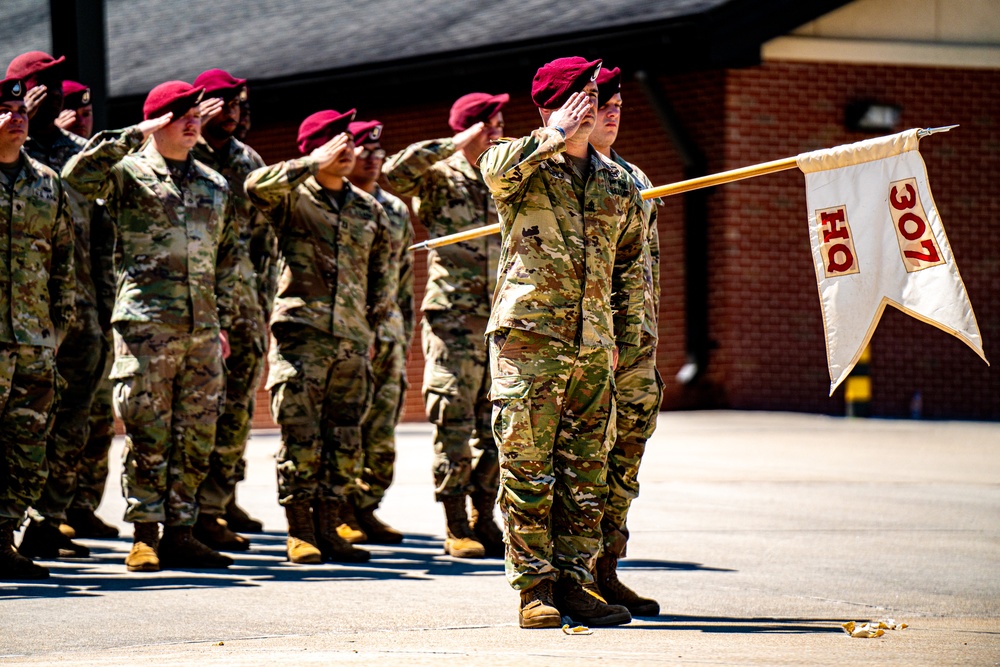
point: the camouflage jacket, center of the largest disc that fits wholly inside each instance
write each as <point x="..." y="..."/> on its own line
<point x="650" y="251"/>
<point x="578" y="278"/>
<point x="94" y="270"/>
<point x="235" y="162"/>
<point x="450" y="196"/>
<point x="399" y="328"/>
<point x="37" y="276"/>
<point x="334" y="264"/>
<point x="176" y="247"/>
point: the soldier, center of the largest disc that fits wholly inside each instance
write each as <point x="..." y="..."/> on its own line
<point x="392" y="341"/>
<point x="36" y="308"/>
<point x="176" y="275"/>
<point x="77" y="115"/>
<point x="335" y="290"/>
<point x="450" y="196"/>
<point x="81" y="359"/>
<point x="636" y="379"/>
<point x="570" y="291"/>
<point x="218" y="149"/>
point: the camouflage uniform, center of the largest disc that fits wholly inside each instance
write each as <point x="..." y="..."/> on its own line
<point x="638" y="385"/>
<point x="392" y="340"/>
<point x="335" y="289"/>
<point x="175" y="263"/>
<point x="247" y="336"/>
<point x="571" y="288"/>
<point x="37" y="283"/>
<point x="450" y="196"/>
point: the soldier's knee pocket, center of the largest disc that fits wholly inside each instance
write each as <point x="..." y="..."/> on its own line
<point x="131" y="399"/>
<point x="513" y="421"/>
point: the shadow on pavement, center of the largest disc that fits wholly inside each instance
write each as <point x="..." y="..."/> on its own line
<point x="752" y="625"/>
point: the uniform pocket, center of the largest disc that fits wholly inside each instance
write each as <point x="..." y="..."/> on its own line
<point x="513" y="423"/>
<point x="125" y="367"/>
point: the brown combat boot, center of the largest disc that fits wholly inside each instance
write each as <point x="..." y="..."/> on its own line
<point x="538" y="610"/>
<point x="460" y="542"/>
<point x="42" y="539"/>
<point x="485" y="529"/>
<point x="586" y="606"/>
<point x="239" y="521"/>
<point x="14" y="566"/>
<point x="333" y="546"/>
<point x="212" y="531"/>
<point x="349" y="528"/>
<point x="142" y="557"/>
<point x="615" y="592"/>
<point x="377" y="531"/>
<point x="84" y="523"/>
<point x="179" y="550"/>
<point x="301" y="545"/>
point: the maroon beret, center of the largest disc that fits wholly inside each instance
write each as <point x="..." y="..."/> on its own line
<point x="28" y="66"/>
<point x="174" y="96"/>
<point x="11" y="90"/>
<point x="220" y="83"/>
<point x="609" y="83"/>
<point x="365" y="131"/>
<point x="75" y="95"/>
<point x="322" y="126"/>
<point x="474" y="108"/>
<point x="554" y="82"/>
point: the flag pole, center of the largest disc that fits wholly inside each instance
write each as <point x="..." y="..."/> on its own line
<point x="662" y="191"/>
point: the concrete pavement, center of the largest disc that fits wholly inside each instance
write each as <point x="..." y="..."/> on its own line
<point x="759" y="533"/>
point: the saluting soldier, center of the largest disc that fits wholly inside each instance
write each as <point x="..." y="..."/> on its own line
<point x="450" y="196"/>
<point x="335" y="291"/>
<point x="219" y="149"/>
<point x="570" y="291"/>
<point x="175" y="263"/>
<point x="37" y="281"/>
<point x="77" y="116"/>
<point x="639" y="387"/>
<point x="392" y="340"/>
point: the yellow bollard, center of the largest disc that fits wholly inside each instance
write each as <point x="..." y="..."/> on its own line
<point x="858" y="387"/>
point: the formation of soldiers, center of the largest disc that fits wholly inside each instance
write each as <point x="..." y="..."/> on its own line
<point x="150" y="269"/>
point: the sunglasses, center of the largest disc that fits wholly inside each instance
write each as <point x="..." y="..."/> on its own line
<point x="365" y="153"/>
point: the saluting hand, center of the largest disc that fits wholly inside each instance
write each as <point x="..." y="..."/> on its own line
<point x="66" y="119"/>
<point x="33" y="99"/>
<point x="4" y="118"/>
<point x="154" y="124"/>
<point x="332" y="150"/>
<point x="210" y="107"/>
<point x="571" y="114"/>
<point x="465" y="137"/>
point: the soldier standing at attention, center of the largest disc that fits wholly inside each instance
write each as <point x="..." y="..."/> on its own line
<point x="450" y="196"/>
<point x="36" y="308"/>
<point x="636" y="378"/>
<point x="176" y="275"/>
<point x="392" y="340"/>
<point x="570" y="290"/>
<point x="220" y="150"/>
<point x="335" y="291"/>
<point x="77" y="116"/>
<point x="81" y="359"/>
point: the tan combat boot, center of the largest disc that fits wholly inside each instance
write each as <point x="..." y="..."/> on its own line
<point x="143" y="557"/>
<point x="485" y="529"/>
<point x="14" y="566"/>
<point x="615" y="592"/>
<point x="333" y="546"/>
<point x="349" y="528"/>
<point x="212" y="531"/>
<point x="586" y="606"/>
<point x="460" y="542"/>
<point x="538" y="610"/>
<point x="84" y="523"/>
<point x="301" y="544"/>
<point x="239" y="521"/>
<point x="180" y="550"/>
<point x="43" y="539"/>
<point x="377" y="531"/>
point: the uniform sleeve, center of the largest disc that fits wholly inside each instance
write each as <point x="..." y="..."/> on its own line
<point x="627" y="279"/>
<point x="227" y="278"/>
<point x="62" y="274"/>
<point x="507" y="166"/>
<point x="102" y="263"/>
<point x="270" y="188"/>
<point x="381" y="281"/>
<point x="406" y="170"/>
<point x="90" y="172"/>
<point x="405" y="289"/>
<point x="653" y="240"/>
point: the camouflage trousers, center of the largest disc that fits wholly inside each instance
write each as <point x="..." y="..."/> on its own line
<point x="321" y="390"/>
<point x="169" y="386"/>
<point x="80" y="361"/>
<point x="378" y="431"/>
<point x="456" y="399"/>
<point x="27" y="393"/>
<point x="554" y="420"/>
<point x="639" y="395"/>
<point x="92" y="474"/>
<point x="243" y="372"/>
